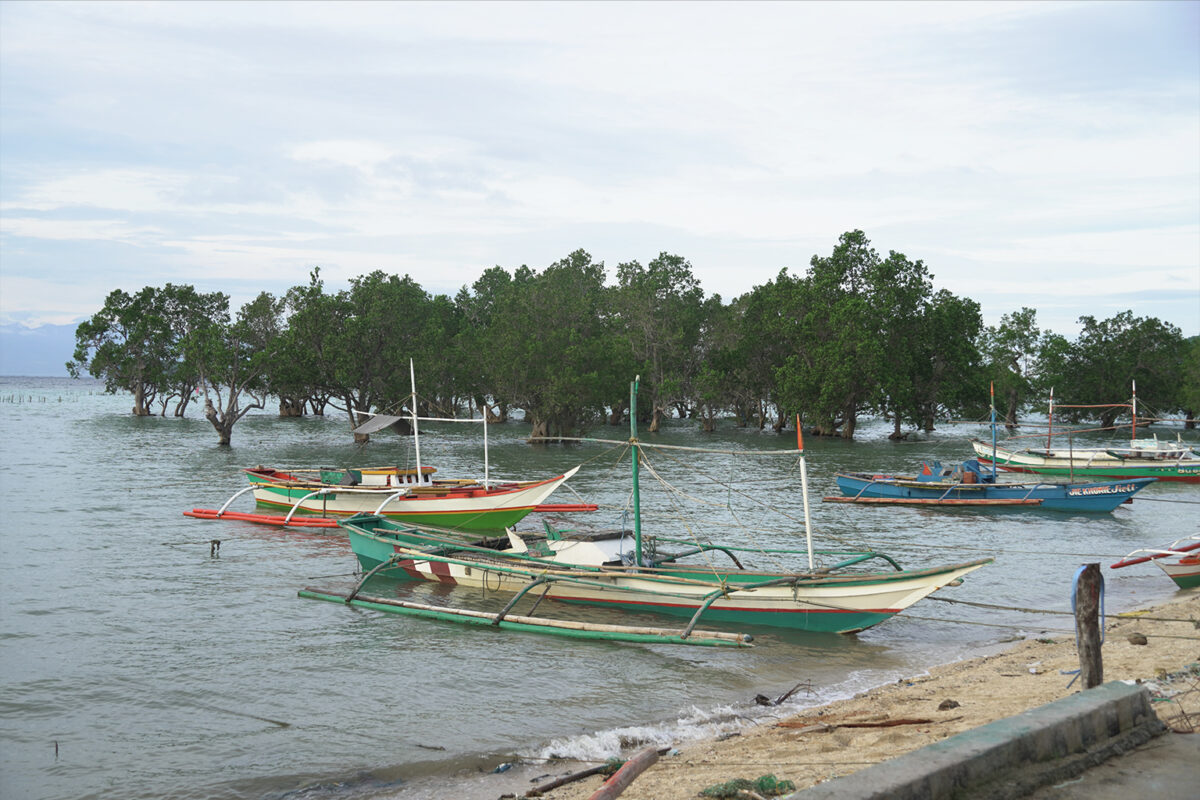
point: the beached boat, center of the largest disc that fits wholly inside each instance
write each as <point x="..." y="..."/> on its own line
<point x="1185" y="572"/>
<point x="1140" y="458"/>
<point x="969" y="484"/>
<point x="617" y="570"/>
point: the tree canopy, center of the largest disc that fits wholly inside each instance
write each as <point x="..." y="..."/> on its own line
<point x="856" y="333"/>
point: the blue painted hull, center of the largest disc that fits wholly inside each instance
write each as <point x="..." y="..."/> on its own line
<point x="1093" y="496"/>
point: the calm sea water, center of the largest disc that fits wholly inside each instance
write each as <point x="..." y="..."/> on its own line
<point x="136" y="663"/>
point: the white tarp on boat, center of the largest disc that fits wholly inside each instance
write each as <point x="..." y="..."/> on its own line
<point x="378" y="422"/>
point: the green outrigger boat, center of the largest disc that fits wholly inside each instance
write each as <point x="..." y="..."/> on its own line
<point x="1140" y="458"/>
<point x="616" y="571"/>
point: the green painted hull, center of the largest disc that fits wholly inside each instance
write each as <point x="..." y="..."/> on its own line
<point x="474" y="521"/>
<point x="1187" y="475"/>
<point x="463" y="508"/>
<point x="807" y="621"/>
<point x="826" y="604"/>
<point x="1188" y="583"/>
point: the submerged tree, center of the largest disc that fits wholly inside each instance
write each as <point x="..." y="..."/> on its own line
<point x="1015" y="351"/>
<point x="834" y="375"/>
<point x="551" y="344"/>
<point x="232" y="360"/>
<point x="661" y="307"/>
<point x="135" y="343"/>
<point x="1109" y="355"/>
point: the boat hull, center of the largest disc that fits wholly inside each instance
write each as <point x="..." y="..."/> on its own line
<point x="1185" y="572"/>
<point x="464" y="508"/>
<point x="843" y="604"/>
<point x="1093" y="464"/>
<point x="1100" y="496"/>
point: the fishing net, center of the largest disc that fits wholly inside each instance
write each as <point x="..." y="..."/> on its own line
<point x="766" y="786"/>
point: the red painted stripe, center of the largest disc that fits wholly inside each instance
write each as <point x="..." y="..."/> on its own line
<point x="743" y="609"/>
<point x="410" y="568"/>
<point x="560" y="507"/>
<point x="442" y="570"/>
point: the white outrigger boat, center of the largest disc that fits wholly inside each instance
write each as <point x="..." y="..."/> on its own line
<point x="615" y="570"/>
<point x="458" y="504"/>
<point x="410" y="494"/>
<point x="1140" y="458"/>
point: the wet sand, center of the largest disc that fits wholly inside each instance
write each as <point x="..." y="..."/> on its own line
<point x="888" y="721"/>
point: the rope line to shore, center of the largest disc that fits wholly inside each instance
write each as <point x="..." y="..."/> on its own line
<point x="1044" y="630"/>
<point x="1165" y="500"/>
<point x="1007" y="626"/>
<point x="1123" y="615"/>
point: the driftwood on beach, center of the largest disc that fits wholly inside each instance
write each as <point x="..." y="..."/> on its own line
<point x="620" y="780"/>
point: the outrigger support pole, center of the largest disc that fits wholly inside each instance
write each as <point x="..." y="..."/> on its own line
<point x="391" y="497"/>
<point x="324" y="491"/>
<point x="708" y="601"/>
<point x="236" y="495"/>
<point x="724" y="591"/>
<point x="381" y="565"/>
<point x="504" y="611"/>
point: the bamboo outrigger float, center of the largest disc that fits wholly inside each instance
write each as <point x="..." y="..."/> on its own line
<point x="529" y="624"/>
<point x="617" y="572"/>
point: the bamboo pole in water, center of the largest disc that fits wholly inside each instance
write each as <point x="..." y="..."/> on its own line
<point x="587" y="630"/>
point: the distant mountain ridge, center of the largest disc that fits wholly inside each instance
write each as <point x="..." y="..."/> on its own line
<point x="36" y="352"/>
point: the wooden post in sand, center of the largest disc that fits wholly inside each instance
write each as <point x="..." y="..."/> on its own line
<point x="1088" y="585"/>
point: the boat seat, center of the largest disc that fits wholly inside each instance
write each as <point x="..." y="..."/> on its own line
<point x="932" y="471"/>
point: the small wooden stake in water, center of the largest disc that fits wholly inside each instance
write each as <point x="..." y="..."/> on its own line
<point x="1088" y="586"/>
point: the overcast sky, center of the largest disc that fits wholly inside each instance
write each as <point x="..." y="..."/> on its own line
<point x="1040" y="154"/>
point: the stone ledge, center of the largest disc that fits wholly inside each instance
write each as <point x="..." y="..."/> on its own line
<point x="1009" y="758"/>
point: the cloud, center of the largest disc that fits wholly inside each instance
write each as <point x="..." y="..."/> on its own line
<point x="239" y="145"/>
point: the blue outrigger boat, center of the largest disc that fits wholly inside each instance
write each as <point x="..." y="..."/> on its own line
<point x="969" y="484"/>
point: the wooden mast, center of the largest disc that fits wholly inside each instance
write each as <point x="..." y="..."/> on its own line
<point x="412" y="378"/>
<point x="1133" y="432"/>
<point x="1050" y="419"/>
<point x="633" y="444"/>
<point x="804" y="492"/>
<point x="992" y="391"/>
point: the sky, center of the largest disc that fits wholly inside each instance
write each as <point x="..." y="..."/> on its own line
<point x="1030" y="154"/>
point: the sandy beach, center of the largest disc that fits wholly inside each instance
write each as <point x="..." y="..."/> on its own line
<point x="888" y="721"/>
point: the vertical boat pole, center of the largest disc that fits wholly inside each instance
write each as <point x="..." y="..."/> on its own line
<point x="633" y="444"/>
<point x="1050" y="419"/>
<point x="1133" y="432"/>
<point x="486" y="485"/>
<point x="804" y="491"/>
<point x="412" y="378"/>
<point x="992" y="389"/>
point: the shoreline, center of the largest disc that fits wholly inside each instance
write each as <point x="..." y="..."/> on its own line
<point x="815" y="744"/>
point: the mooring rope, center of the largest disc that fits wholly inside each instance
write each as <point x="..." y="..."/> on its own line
<point x="1122" y="615"/>
<point x="1165" y="500"/>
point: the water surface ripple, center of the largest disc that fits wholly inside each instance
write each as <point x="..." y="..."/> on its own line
<point x="135" y="664"/>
